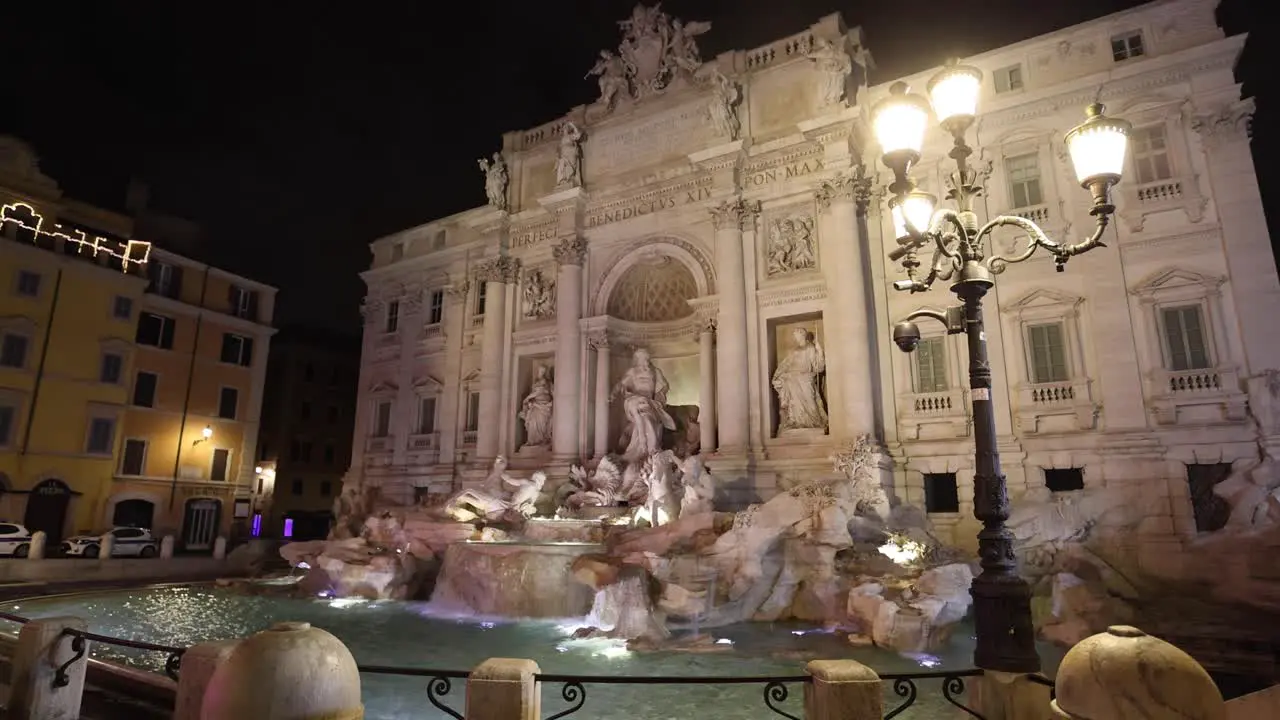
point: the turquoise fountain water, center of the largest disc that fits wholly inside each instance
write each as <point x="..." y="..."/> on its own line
<point x="419" y="635"/>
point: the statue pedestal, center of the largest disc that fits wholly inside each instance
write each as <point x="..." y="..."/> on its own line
<point x="533" y="452"/>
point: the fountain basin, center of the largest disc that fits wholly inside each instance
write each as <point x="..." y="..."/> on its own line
<point x="514" y="579"/>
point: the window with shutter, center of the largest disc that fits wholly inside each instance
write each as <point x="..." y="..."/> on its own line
<point x="426" y="416"/>
<point x="931" y="365"/>
<point x="1048" y="353"/>
<point x="1184" y="338"/>
<point x="1150" y="151"/>
<point x="382" y="420"/>
<point x="1024" y="180"/>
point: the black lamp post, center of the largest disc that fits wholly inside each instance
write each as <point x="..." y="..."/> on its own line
<point x="1002" y="599"/>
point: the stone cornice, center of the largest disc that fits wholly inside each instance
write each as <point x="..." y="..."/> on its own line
<point x="773" y="297"/>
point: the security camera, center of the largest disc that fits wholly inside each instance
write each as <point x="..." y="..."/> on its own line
<point x="907" y="335"/>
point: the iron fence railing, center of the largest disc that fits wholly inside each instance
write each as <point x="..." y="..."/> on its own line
<point x="439" y="683"/>
<point x="573" y="689"/>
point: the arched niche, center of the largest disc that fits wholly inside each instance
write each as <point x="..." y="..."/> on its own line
<point x="657" y="262"/>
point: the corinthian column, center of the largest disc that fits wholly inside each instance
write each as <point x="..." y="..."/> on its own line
<point x="846" y="319"/>
<point x="496" y="274"/>
<point x="731" y="352"/>
<point x="566" y="409"/>
<point x="707" y="385"/>
<point x="600" y="341"/>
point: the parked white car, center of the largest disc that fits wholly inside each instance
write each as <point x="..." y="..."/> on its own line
<point x="15" y="540"/>
<point x="127" y="542"/>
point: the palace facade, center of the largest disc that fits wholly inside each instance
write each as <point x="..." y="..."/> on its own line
<point x="707" y="210"/>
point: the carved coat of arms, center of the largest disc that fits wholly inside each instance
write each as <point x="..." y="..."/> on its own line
<point x="655" y="49"/>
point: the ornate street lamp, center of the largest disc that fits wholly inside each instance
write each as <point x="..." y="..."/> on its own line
<point x="1002" y="599"/>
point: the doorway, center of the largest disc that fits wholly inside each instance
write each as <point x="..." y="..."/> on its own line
<point x="47" y="509"/>
<point x="134" y="513"/>
<point x="200" y="523"/>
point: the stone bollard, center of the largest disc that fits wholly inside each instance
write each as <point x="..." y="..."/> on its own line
<point x="290" y="671"/>
<point x="1009" y="696"/>
<point x="220" y="548"/>
<point x="198" y="665"/>
<point x="106" y="546"/>
<point x="36" y="550"/>
<point x="166" y="547"/>
<point x="1125" y="674"/>
<point x="842" y="690"/>
<point x="504" y="689"/>
<point x="42" y="649"/>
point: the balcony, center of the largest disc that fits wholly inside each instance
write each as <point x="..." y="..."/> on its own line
<point x="469" y="437"/>
<point x="1138" y="202"/>
<point x="1057" y="407"/>
<point x="933" y="416"/>
<point x="424" y="441"/>
<point x="1202" y="395"/>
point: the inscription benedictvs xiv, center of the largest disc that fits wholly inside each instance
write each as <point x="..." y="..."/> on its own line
<point x="647" y="207"/>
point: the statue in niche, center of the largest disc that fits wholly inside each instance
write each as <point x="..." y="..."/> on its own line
<point x="791" y="246"/>
<point x="535" y="409"/>
<point x="643" y="390"/>
<point x="495" y="180"/>
<point x="515" y="495"/>
<point x="797" y="381"/>
<point x="539" y="296"/>
<point x="724" y="110"/>
<point x="836" y="65"/>
<point x="612" y="72"/>
<point x="569" y="162"/>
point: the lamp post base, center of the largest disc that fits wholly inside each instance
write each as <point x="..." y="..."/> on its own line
<point x="1002" y="624"/>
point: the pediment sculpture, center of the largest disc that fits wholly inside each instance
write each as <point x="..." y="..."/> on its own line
<point x="655" y="50"/>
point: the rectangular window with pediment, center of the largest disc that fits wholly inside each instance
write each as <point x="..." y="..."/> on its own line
<point x="1150" y="149"/>
<point x="1024" y="180"/>
<point x="382" y="419"/>
<point x="930" y="366"/>
<point x="1184" y="337"/>
<point x="1047" y="348"/>
<point x="473" y="412"/>
<point x="436" y="309"/>
<point x="393" y="316"/>
<point x="480" y="298"/>
<point x="426" y="415"/>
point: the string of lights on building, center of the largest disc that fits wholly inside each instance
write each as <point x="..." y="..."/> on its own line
<point x="25" y="217"/>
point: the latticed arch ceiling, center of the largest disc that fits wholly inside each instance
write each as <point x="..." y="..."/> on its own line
<point x="655" y="289"/>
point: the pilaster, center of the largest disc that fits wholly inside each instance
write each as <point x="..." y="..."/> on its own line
<point x="497" y="274"/>
<point x="730" y="218"/>
<point x="570" y="254"/>
<point x="455" y="323"/>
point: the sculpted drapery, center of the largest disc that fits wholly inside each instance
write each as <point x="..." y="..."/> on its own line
<point x="797" y="382"/>
<point x="535" y="410"/>
<point x="643" y="390"/>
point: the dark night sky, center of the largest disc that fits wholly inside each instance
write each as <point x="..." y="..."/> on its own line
<point x="296" y="133"/>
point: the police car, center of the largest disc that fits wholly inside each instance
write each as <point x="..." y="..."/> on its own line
<point x="15" y="540"/>
<point x="126" y="542"/>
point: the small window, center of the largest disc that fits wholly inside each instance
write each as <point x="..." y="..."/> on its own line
<point x="1184" y="338"/>
<point x="393" y="316"/>
<point x="436" y="313"/>
<point x="1024" y="180"/>
<point x="101" y="436"/>
<point x="288" y="527"/>
<point x="1009" y="79"/>
<point x="326" y="488"/>
<point x="13" y="351"/>
<point x="1127" y="46"/>
<point x="1150" y="150"/>
<point x="112" y="368"/>
<point x="438" y="241"/>
<point x="237" y="349"/>
<point x="166" y="279"/>
<point x="28" y="283"/>
<point x="260" y="482"/>
<point x="931" y="365"/>
<point x="1048" y="353"/>
<point x="297" y="486"/>
<point x="329" y="453"/>
<point x="473" y="412"/>
<point x="155" y="331"/>
<point x="7" y="415"/>
<point x="481" y="291"/>
<point x="304" y="410"/>
<point x="144" y="389"/>
<point x="295" y="450"/>
<point x="941" y="493"/>
<point x="256" y="531"/>
<point x="221" y="459"/>
<point x="305" y="451"/>
<point x="426" y="416"/>
<point x="397" y="251"/>
<point x="228" y="400"/>
<point x="1064" y="479"/>
<point x="122" y="308"/>
<point x="382" y="420"/>
<point x="244" y="303"/>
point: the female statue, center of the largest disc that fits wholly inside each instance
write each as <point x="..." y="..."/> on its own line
<point x="797" y="383"/>
<point x="535" y="411"/>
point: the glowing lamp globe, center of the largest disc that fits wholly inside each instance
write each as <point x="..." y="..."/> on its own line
<point x="899" y="122"/>
<point x="1097" y="147"/>
<point x="954" y="93"/>
<point x="207" y="432"/>
<point x="917" y="209"/>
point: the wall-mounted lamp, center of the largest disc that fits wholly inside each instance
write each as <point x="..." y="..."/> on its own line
<point x="205" y="434"/>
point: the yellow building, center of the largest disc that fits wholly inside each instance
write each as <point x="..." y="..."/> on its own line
<point x="70" y="291"/>
<point x="189" y="432"/>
